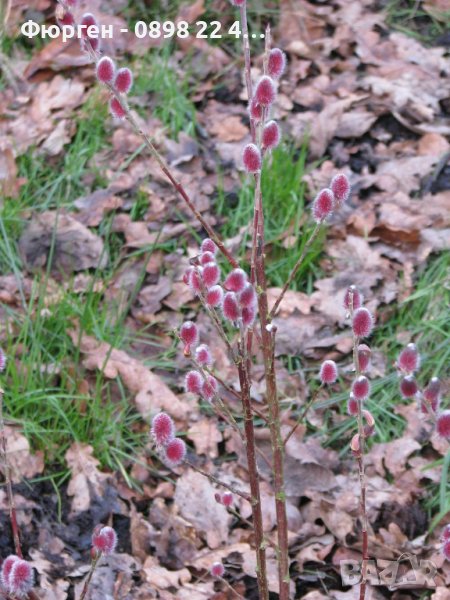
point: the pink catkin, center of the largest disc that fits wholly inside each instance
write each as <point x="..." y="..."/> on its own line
<point x="227" y="499"/>
<point x="217" y="569"/>
<point x="104" y="540"/>
<point x="163" y="429"/>
<point x="211" y="274"/>
<point x="362" y="322"/>
<point x="230" y="307"/>
<point x="369" y="427"/>
<point x="445" y="535"/>
<point x="208" y="246"/>
<point x="5" y="572"/>
<point x="328" y="372"/>
<point x="193" y="382"/>
<point x="207" y="257"/>
<point x="124" y="80"/>
<point x="265" y="92"/>
<point x="443" y="424"/>
<point x="353" y="298"/>
<point x="106" y="70"/>
<point x="67" y="19"/>
<point x="117" y="110"/>
<point x="408" y="360"/>
<point x="195" y="279"/>
<point x="251" y="158"/>
<point x="21" y="578"/>
<point x="248" y="315"/>
<point x="408" y="387"/>
<point x="352" y="406"/>
<point x="255" y="110"/>
<point x="323" y="205"/>
<point x="363" y="352"/>
<point x="276" y="63"/>
<point x="236" y="280"/>
<point x="446" y="550"/>
<point x="270" y="135"/>
<point x="189" y="333"/>
<point x="187" y="275"/>
<point x="247" y="298"/>
<point x="341" y="189"/>
<point x="209" y="387"/>
<point x="361" y="388"/>
<point x="432" y="395"/>
<point x="214" y="296"/>
<point x="175" y="452"/>
<point x="203" y="355"/>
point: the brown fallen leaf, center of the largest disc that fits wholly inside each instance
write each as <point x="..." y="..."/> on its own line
<point x="87" y="483"/>
<point x="95" y="206"/>
<point x="151" y="393"/>
<point x="194" y="498"/>
<point x="75" y="247"/>
<point x="161" y="577"/>
<point x="206" y="436"/>
<point x="23" y="464"/>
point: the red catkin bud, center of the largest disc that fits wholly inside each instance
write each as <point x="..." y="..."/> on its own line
<point x="247" y="298"/>
<point x="341" y="189"/>
<point x="265" y="91"/>
<point x="207" y="257"/>
<point x="276" y="63"/>
<point x="353" y="298"/>
<point x="124" y="80"/>
<point x="369" y="427"/>
<point x="446" y="550"/>
<point x="21" y="578"/>
<point x="362" y="322"/>
<point x="211" y="274"/>
<point x="445" y="535"/>
<point x="116" y="109"/>
<point x="248" y="315"/>
<point x="363" y="352"/>
<point x="432" y="394"/>
<point x="352" y="405"/>
<point x="189" y="333"/>
<point x="203" y="355"/>
<point x="408" y="387"/>
<point x="361" y="388"/>
<point x="88" y="20"/>
<point x="208" y="246"/>
<point x="255" y="110"/>
<point x="408" y="360"/>
<point x="66" y="19"/>
<point x="227" y="499"/>
<point x="236" y="280"/>
<point x="443" y="424"/>
<point x="355" y="446"/>
<point x="230" y="307"/>
<point x="270" y="135"/>
<point x="7" y="565"/>
<point x="214" y="296"/>
<point x="193" y="382"/>
<point x="106" y="69"/>
<point x="209" y="387"/>
<point x="251" y="157"/>
<point x="195" y="279"/>
<point x="217" y="568"/>
<point x="323" y="205"/>
<point x="2" y="360"/>
<point x="163" y="429"/>
<point x="104" y="539"/>
<point x="328" y="371"/>
<point x="174" y="452"/>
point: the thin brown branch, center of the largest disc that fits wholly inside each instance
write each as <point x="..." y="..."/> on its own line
<point x="217" y="481"/>
<point x="302" y="416"/>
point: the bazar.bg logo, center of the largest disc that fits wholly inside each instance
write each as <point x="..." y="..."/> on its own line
<point x="404" y="572"/>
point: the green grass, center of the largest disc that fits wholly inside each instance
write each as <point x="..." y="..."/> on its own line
<point x="286" y="218"/>
<point x="410" y="18"/>
<point x="169" y="90"/>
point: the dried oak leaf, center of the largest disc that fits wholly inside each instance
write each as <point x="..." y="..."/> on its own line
<point x="393" y="455"/>
<point x="23" y="464"/>
<point x="75" y="248"/>
<point x="161" y="577"/>
<point x="194" y="497"/>
<point x="95" y="206"/>
<point x="87" y="484"/>
<point x="205" y="435"/>
<point x="151" y="393"/>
